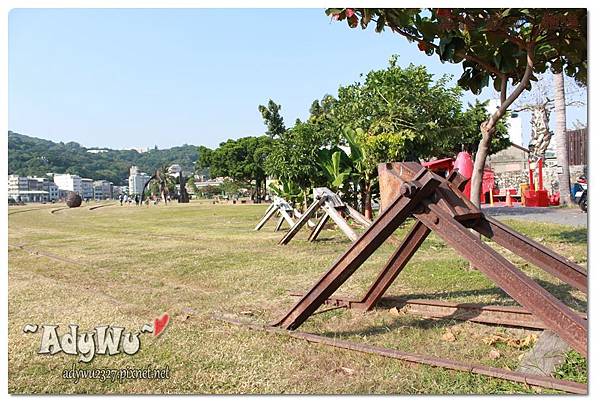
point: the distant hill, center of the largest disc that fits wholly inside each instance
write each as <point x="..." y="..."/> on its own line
<point x="35" y="157"/>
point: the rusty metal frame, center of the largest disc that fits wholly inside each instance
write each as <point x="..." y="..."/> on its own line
<point x="525" y="378"/>
<point x="424" y="184"/>
<point x="437" y="204"/>
<point x="504" y="315"/>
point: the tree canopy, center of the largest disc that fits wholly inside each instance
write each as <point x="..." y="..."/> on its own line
<point x="242" y="160"/>
<point x="504" y="46"/>
<point x="491" y="44"/>
<point x="272" y="118"/>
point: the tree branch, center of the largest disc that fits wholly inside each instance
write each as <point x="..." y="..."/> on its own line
<point x="488" y="67"/>
<point x="503" y="89"/>
<point x="494" y="118"/>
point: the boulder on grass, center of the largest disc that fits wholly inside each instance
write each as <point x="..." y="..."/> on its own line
<point x="73" y="200"/>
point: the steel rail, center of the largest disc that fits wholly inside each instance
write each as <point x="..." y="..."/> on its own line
<point x="528" y="379"/>
<point x="512" y="316"/>
<point x="532" y="251"/>
<point x="558" y="317"/>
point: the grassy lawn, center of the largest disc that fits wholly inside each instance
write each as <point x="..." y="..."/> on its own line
<point x="135" y="263"/>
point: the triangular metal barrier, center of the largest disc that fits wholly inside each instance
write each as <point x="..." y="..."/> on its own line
<point x="335" y="209"/>
<point x="438" y="205"/>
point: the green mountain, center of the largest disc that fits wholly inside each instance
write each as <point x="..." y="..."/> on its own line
<point x="35" y="157"/>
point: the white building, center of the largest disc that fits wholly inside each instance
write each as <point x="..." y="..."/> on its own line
<point x="514" y="123"/>
<point x="87" y="188"/>
<point x="69" y="182"/>
<point x="137" y="180"/>
<point x="202" y="183"/>
<point x="31" y="189"/>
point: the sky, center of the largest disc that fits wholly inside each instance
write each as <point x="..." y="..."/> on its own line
<point x="123" y="78"/>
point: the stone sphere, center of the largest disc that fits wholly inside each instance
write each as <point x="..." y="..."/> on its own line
<point x="73" y="200"/>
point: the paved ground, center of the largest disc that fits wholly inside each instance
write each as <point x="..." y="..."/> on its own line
<point x="561" y="216"/>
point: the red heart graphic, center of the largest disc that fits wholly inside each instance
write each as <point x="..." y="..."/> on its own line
<point x="160" y="324"/>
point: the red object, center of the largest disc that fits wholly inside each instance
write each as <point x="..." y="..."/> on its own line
<point x="440" y="166"/>
<point x="509" y="201"/>
<point x="160" y="324"/>
<point x="555" y="199"/>
<point x="487" y="183"/>
<point x="531" y="185"/>
<point x="464" y="165"/>
<point x="540" y="176"/>
<point x="537" y="198"/>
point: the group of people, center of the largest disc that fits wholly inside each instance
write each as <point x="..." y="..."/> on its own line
<point x="125" y="199"/>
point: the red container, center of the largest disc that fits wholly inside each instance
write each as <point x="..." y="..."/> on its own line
<point x="537" y="198"/>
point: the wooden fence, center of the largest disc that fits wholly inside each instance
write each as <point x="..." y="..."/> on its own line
<point x="577" y="140"/>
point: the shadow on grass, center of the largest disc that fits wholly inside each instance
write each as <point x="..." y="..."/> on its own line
<point x="560" y="291"/>
<point x="573" y="236"/>
<point x="423" y="324"/>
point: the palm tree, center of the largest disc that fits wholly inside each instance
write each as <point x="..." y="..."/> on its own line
<point x="562" y="146"/>
<point x="164" y="181"/>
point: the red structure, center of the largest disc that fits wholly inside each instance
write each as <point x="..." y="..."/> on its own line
<point x="537" y="196"/>
<point x="464" y="165"/>
<point x="440" y="167"/>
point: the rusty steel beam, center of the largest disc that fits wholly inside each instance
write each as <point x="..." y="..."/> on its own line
<point x="535" y="253"/>
<point x="410" y="244"/>
<point x="359" y="251"/>
<point x="523" y="289"/>
<point x="485" y="314"/>
<point x="529" y="379"/>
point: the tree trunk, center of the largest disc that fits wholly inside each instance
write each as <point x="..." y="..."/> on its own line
<point x="367" y="206"/>
<point x="305" y="193"/>
<point x="478" y="167"/>
<point x="488" y="128"/>
<point x="257" y="200"/>
<point x="355" y="203"/>
<point x="562" y="145"/>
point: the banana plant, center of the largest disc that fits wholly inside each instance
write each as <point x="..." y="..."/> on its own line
<point x="287" y="190"/>
<point x="363" y="174"/>
<point x="336" y="167"/>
